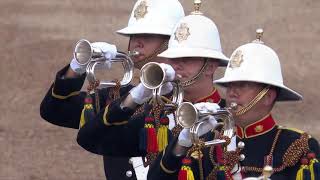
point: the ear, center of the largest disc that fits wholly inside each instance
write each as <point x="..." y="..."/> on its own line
<point x="211" y="67"/>
<point x="270" y="97"/>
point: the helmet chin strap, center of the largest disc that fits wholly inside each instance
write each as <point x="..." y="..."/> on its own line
<point x="253" y="102"/>
<point x="153" y="55"/>
<point x="196" y="77"/>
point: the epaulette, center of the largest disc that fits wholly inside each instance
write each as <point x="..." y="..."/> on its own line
<point x="310" y="166"/>
<point x="294" y="130"/>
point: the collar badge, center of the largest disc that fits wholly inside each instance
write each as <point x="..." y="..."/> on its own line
<point x="258" y="128"/>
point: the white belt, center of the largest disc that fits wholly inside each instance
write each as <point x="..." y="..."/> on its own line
<point x="139" y="169"/>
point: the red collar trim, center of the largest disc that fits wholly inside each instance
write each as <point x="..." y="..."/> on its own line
<point x="213" y="97"/>
<point x="257" y="128"/>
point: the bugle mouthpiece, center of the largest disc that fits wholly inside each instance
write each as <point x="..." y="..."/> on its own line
<point x="233" y="105"/>
<point x="133" y="53"/>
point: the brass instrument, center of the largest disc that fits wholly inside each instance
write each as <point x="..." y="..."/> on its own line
<point x="93" y="57"/>
<point x="153" y="77"/>
<point x="188" y="116"/>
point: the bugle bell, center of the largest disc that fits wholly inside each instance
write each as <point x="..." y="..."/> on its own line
<point x="92" y="57"/>
<point x="153" y="77"/>
<point x="188" y="116"/>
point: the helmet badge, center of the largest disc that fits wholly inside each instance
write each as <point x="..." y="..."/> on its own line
<point x="182" y="32"/>
<point x="141" y="10"/>
<point x="236" y="59"/>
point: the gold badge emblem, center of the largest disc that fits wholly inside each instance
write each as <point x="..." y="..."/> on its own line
<point x="182" y="32"/>
<point x="258" y="128"/>
<point x="141" y="10"/>
<point x="236" y="60"/>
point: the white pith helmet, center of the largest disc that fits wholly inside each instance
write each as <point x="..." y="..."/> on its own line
<point x="256" y="62"/>
<point x="195" y="36"/>
<point x="153" y="17"/>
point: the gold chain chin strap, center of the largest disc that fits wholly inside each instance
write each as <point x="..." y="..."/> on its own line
<point x="253" y="102"/>
<point x="194" y="78"/>
<point x="162" y="48"/>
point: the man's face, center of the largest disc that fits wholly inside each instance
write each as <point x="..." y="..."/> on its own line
<point x="186" y="68"/>
<point x="146" y="45"/>
<point x="242" y="93"/>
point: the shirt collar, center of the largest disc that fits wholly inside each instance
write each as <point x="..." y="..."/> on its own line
<point x="257" y="128"/>
<point x="213" y="97"/>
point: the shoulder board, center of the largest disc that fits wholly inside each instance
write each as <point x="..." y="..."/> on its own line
<point x="294" y="130"/>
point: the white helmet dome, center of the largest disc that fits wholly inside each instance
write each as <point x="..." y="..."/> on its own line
<point x="195" y="36"/>
<point x="153" y="17"/>
<point x="256" y="62"/>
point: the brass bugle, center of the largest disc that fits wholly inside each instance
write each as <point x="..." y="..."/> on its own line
<point x="92" y="57"/>
<point x="153" y="77"/>
<point x="188" y="116"/>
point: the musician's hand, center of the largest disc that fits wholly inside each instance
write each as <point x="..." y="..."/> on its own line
<point x="169" y="72"/>
<point x="169" y="76"/>
<point x="184" y="138"/>
<point x="140" y="94"/>
<point x="207" y="124"/>
<point x="77" y="68"/>
<point x="109" y="52"/>
<point x="207" y="107"/>
<point x="166" y="88"/>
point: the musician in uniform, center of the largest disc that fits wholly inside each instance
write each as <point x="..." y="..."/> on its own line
<point x="149" y="28"/>
<point x="137" y="126"/>
<point x="253" y="80"/>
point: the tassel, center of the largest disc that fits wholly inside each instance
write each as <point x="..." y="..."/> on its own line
<point x="163" y="135"/>
<point x="314" y="166"/>
<point x="182" y="174"/>
<point x="87" y="113"/>
<point x="148" y="137"/>
<point x="186" y="172"/>
<point x="302" y="172"/>
<point x="152" y="139"/>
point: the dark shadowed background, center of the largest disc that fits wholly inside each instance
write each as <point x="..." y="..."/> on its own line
<point x="38" y="38"/>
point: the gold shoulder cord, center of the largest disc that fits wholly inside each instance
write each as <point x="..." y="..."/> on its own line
<point x="198" y="148"/>
<point x="92" y="87"/>
<point x="297" y="149"/>
<point x="114" y="92"/>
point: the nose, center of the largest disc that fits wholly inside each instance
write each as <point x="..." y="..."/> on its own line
<point x="232" y="92"/>
<point x="136" y="43"/>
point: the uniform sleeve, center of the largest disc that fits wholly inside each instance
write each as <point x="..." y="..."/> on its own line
<point x="63" y="102"/>
<point x="112" y="139"/>
<point x="314" y="147"/>
<point x="115" y="115"/>
<point x="167" y="165"/>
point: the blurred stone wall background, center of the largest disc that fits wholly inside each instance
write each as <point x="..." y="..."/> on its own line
<point x="38" y="37"/>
